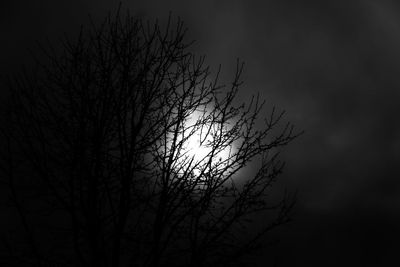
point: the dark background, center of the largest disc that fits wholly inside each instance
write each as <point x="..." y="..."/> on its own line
<point x="334" y="66"/>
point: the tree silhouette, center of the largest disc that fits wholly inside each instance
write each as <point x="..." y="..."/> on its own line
<point x="124" y="150"/>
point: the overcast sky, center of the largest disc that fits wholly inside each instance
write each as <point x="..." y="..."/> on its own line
<point x="334" y="66"/>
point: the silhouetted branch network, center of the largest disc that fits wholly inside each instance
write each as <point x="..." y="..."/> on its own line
<point x="97" y="156"/>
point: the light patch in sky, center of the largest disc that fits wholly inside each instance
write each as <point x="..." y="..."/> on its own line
<point x="201" y="142"/>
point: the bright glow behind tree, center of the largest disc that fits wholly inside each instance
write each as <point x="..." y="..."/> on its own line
<point x="200" y="141"/>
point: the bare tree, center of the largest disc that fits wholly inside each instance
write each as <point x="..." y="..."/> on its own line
<point x="124" y="150"/>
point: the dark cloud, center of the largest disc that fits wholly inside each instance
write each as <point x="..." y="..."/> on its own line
<point x="333" y="65"/>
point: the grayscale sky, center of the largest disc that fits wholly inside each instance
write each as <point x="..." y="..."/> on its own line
<point x="334" y="66"/>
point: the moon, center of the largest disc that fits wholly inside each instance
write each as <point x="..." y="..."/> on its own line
<point x="198" y="144"/>
<point x="195" y="141"/>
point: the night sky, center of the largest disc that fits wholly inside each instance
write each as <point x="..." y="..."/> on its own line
<point x="334" y="66"/>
